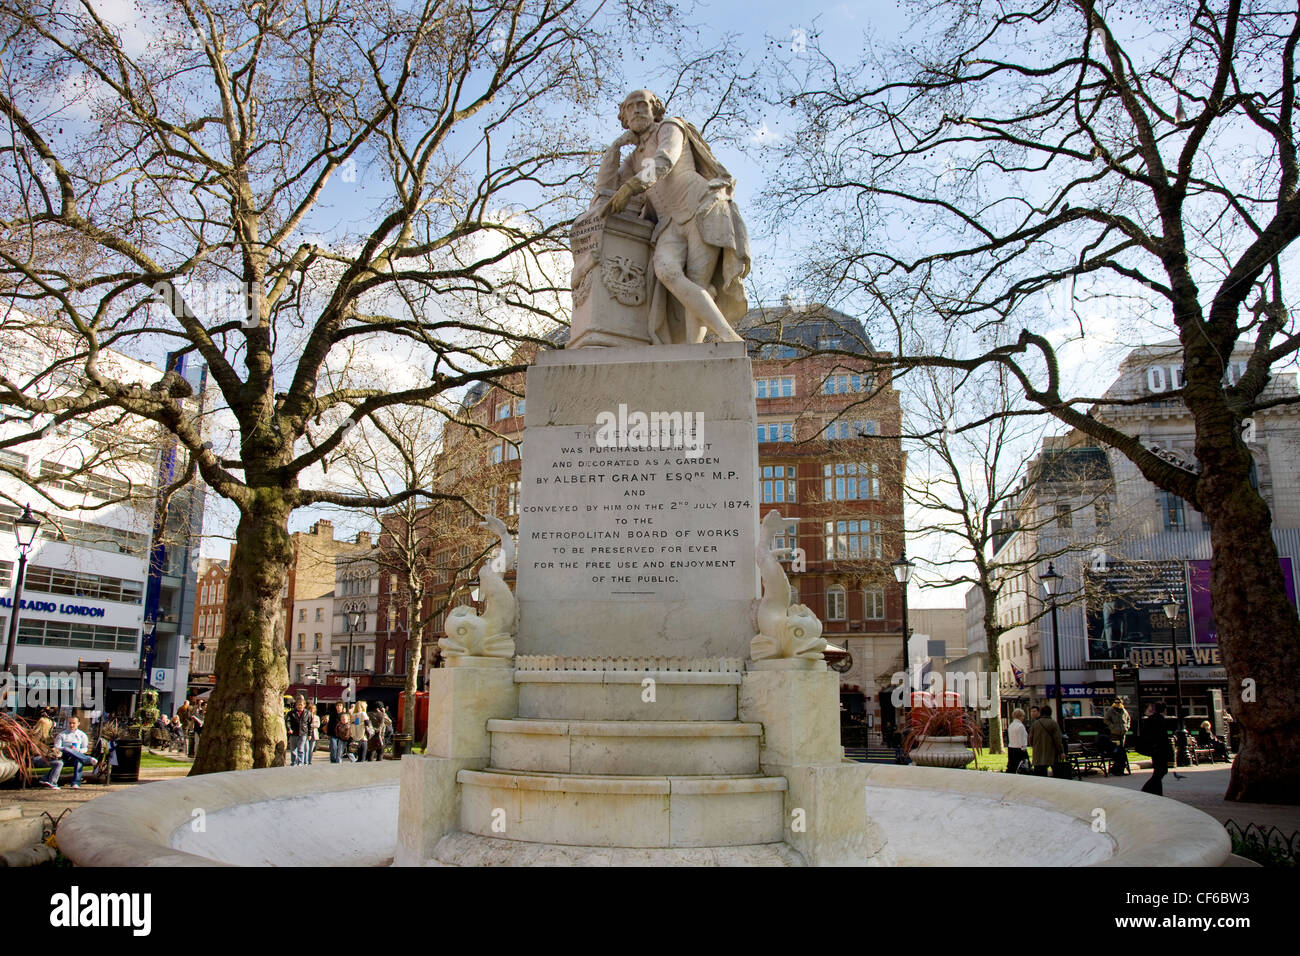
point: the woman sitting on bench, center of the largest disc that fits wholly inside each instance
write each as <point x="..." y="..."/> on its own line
<point x="1205" y="738"/>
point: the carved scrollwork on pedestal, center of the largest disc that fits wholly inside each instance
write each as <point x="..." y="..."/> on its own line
<point x="625" y="279"/>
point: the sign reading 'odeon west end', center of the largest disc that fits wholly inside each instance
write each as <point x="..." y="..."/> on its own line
<point x="608" y="522"/>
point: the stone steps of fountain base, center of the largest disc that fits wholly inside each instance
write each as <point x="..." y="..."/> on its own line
<point x="627" y="695"/>
<point x="626" y="747"/>
<point x="469" y="849"/>
<point x="622" y="811"/>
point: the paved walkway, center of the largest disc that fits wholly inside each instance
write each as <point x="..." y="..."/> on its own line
<point x="1203" y="787"/>
<point x="37" y="799"/>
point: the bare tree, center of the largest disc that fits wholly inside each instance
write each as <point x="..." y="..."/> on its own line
<point x="420" y="539"/>
<point x="1010" y="148"/>
<point x="147" y="167"/>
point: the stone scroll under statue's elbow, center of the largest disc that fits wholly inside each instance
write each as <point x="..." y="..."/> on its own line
<point x="785" y="630"/>
<point x="687" y="279"/>
<point x="492" y="633"/>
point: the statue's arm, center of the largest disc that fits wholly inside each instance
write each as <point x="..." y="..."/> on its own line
<point x="672" y="140"/>
<point x="611" y="174"/>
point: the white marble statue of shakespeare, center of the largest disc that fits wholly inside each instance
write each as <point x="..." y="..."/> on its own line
<point x="701" y="247"/>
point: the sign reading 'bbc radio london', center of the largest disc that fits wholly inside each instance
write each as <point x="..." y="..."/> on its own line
<point x="614" y="511"/>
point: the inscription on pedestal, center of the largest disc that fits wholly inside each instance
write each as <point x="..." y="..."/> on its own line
<point x="635" y="524"/>
<point x="637" y="519"/>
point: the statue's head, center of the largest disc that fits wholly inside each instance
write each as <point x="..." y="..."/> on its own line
<point x="630" y="110"/>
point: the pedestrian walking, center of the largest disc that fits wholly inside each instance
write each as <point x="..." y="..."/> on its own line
<point x="383" y="727"/>
<point x="314" y="736"/>
<point x="1117" y="725"/>
<point x="1155" y="741"/>
<point x="340" y="732"/>
<point x="1049" y="746"/>
<point x="298" y="725"/>
<point x="1017" y="741"/>
<point x="361" y="730"/>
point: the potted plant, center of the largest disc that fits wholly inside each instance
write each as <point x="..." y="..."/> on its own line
<point x="942" y="737"/>
<point x="17" y="747"/>
<point x="129" y="745"/>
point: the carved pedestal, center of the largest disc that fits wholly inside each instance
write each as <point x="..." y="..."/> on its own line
<point x="612" y="278"/>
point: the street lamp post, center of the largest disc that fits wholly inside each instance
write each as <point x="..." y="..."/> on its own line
<point x="1170" y="608"/>
<point x="25" y="527"/>
<point x="354" y="624"/>
<point x="146" y="644"/>
<point x="1050" y="580"/>
<point x="903" y="573"/>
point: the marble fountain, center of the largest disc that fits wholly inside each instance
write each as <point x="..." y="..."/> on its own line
<point x="649" y="694"/>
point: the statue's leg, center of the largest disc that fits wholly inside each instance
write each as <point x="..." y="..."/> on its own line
<point x="685" y="263"/>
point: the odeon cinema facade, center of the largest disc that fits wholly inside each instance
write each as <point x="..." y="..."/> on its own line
<point x="1128" y="550"/>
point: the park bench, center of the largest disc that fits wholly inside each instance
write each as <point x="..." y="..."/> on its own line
<point x="1083" y="759"/>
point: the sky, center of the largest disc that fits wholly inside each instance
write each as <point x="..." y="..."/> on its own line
<point x="770" y="33"/>
<point x="775" y="36"/>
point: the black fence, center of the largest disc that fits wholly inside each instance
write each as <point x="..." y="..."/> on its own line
<point x="1267" y="846"/>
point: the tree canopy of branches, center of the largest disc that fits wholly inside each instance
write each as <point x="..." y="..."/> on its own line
<point x="203" y="147"/>
<point x="1147" y="149"/>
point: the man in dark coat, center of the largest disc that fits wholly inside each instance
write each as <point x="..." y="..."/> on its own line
<point x="1046" y="741"/>
<point x="1155" y="741"/>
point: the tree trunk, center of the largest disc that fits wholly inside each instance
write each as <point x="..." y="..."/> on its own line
<point x="415" y="656"/>
<point x="1258" y="630"/>
<point x="244" y="728"/>
<point x="1259" y="638"/>
<point x="995" y="719"/>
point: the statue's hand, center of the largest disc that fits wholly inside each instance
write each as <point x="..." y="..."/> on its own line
<point x="629" y="138"/>
<point x="618" y="202"/>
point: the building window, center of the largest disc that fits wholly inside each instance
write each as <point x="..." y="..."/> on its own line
<point x="776" y="431"/>
<point x="298" y="671"/>
<point x="302" y="614"/>
<point x="1102" y="510"/>
<point x="858" y="428"/>
<point x="1171" y="508"/>
<point x="318" y="636"/>
<point x="786" y="542"/>
<point x="1064" y="516"/>
<point x="39" y="633"/>
<point x="771" y="351"/>
<point x="80" y="584"/>
<point x="320" y="614"/>
<point x="855" y="538"/>
<point x="519" y="407"/>
<point x="835" y="604"/>
<point x="778" y="483"/>
<point x="830" y="342"/>
<point x="512" y="498"/>
<point x="503" y="411"/>
<point x="873" y="604"/>
<point x="221" y="591"/>
<point x="851" y="481"/>
<point x="13" y="459"/>
<point x="847" y="384"/>
<point x="390" y="661"/>
<point x="506" y="451"/>
<point x="782" y="387"/>
<point x="302" y="641"/>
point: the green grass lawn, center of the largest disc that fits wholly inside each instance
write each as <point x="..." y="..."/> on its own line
<point x="154" y="760"/>
<point x="997" y="763"/>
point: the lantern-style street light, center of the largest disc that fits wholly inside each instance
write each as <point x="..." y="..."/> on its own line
<point x="25" y="527"/>
<point x="1050" y="581"/>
